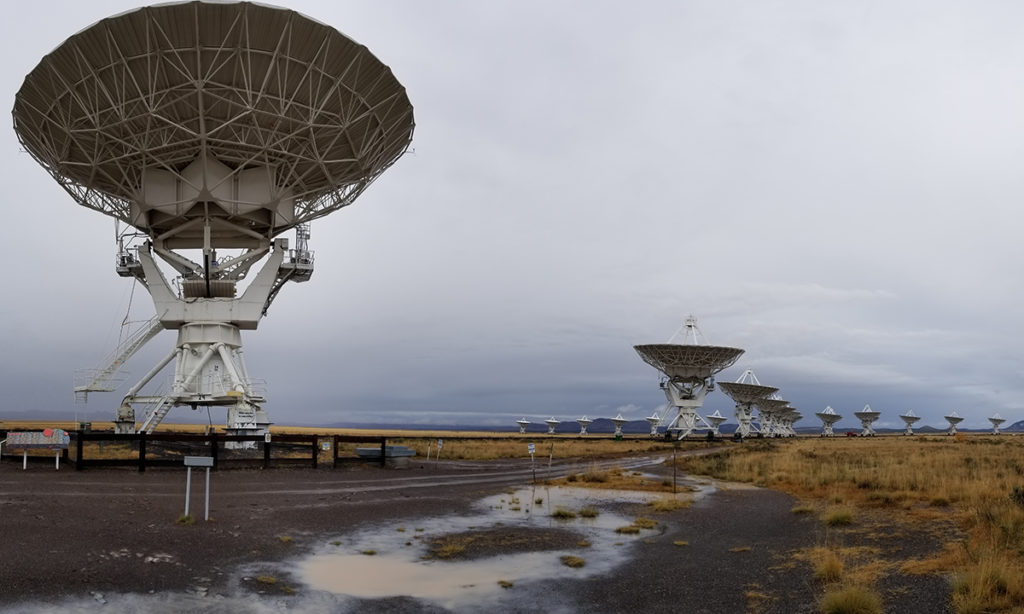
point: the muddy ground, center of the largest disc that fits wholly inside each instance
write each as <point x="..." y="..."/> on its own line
<point x="109" y="540"/>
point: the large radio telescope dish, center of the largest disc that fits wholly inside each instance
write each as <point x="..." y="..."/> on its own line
<point x="688" y="370"/>
<point x="747" y="393"/>
<point x="688" y="362"/>
<point x="771" y="405"/>
<point x="212" y="127"/>
<point x="256" y="117"/>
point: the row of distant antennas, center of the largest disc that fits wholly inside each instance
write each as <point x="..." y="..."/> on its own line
<point x="775" y="417"/>
<point x="868" y="417"/>
<point x="715" y="419"/>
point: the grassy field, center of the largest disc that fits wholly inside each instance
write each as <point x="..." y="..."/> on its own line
<point x="976" y="482"/>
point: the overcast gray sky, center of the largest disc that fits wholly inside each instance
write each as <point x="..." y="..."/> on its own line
<point x="833" y="186"/>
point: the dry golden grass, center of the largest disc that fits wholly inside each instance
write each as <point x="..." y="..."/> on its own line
<point x="489" y="445"/>
<point x="827" y="565"/>
<point x="669" y="504"/>
<point x="572" y="561"/>
<point x="969" y="480"/>
<point x="852" y="599"/>
<point x="614" y="479"/>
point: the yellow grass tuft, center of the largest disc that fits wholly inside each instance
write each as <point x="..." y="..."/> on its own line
<point x="668" y="504"/>
<point x="572" y="561"/>
<point x="838" y="516"/>
<point x="851" y="600"/>
<point x="828" y="567"/>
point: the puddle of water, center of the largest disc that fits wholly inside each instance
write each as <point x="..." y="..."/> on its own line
<point x="398" y="569"/>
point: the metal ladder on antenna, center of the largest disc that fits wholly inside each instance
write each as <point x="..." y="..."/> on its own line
<point x="100" y="382"/>
<point x="156" y="415"/>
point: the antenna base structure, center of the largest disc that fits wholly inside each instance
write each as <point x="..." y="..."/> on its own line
<point x="209" y="368"/>
<point x="210" y="131"/>
<point x="687" y="376"/>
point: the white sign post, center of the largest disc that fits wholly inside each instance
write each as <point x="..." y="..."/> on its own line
<point x="198" y="461"/>
<point x="440" y="442"/>
<point x="532" y="466"/>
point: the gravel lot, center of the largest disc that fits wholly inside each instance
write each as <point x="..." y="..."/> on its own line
<point x="107" y="540"/>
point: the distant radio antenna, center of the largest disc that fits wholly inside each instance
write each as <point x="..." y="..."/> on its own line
<point x="828" y="418"/>
<point x="619" y="421"/>
<point x="909" y="419"/>
<point x="746" y="392"/>
<point x="996" y="420"/>
<point x="953" y="419"/>
<point x="867" y="417"/>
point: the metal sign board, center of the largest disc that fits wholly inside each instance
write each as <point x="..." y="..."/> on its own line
<point x="48" y="439"/>
<point x="199" y="461"/>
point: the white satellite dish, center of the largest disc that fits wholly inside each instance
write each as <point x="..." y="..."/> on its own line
<point x="953" y="419"/>
<point x="619" y="422"/>
<point x="552" y="423"/>
<point x="828" y="418"/>
<point x="909" y="419"/>
<point x="655" y="421"/>
<point x="584" y="422"/>
<point x="786" y="418"/>
<point x="523" y="423"/>
<point x="867" y="417"/>
<point x="746" y="392"/>
<point x="195" y="125"/>
<point x="715" y="420"/>
<point x="996" y="420"/>
<point x="688" y="371"/>
<point x="770" y="412"/>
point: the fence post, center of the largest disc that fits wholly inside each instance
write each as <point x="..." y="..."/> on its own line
<point x="142" y="451"/>
<point x="383" y="451"/>
<point x="213" y="447"/>
<point x="316" y="448"/>
<point x="334" y="454"/>
<point x="266" y="453"/>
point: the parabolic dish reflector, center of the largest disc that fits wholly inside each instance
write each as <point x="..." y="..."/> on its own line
<point x="688" y="362"/>
<point x="245" y="113"/>
<point x="746" y="393"/>
<point x="771" y="405"/>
